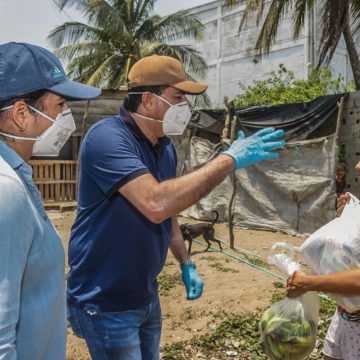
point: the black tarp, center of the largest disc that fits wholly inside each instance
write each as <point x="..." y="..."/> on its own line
<point x="299" y="120"/>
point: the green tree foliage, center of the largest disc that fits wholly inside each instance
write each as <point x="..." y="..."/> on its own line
<point x="282" y="87"/>
<point x="117" y="33"/>
<point x="337" y="18"/>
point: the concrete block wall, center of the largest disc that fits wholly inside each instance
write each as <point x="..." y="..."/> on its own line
<point x="230" y="55"/>
<point x="350" y="139"/>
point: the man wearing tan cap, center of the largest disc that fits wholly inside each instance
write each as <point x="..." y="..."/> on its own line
<point x="129" y="197"/>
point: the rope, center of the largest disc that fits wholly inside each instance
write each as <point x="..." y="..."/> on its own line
<point x="324" y="297"/>
<point x="240" y="249"/>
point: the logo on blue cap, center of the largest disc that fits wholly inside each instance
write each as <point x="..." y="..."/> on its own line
<point x="57" y="73"/>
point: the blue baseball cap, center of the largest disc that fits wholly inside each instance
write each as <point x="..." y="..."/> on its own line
<point x="26" y="68"/>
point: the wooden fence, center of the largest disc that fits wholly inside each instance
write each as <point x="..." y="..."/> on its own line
<point x="56" y="179"/>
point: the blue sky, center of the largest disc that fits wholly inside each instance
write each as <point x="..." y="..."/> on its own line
<point x="32" y="20"/>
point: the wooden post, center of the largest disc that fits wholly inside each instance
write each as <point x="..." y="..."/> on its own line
<point x="83" y="126"/>
<point x="83" y="129"/>
<point x="233" y="181"/>
<point x="57" y="185"/>
<point x="225" y="132"/>
<point x="340" y="106"/>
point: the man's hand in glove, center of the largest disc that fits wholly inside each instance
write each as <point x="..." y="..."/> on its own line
<point x="252" y="149"/>
<point x="192" y="281"/>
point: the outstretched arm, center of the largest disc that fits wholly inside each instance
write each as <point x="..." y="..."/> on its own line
<point x="161" y="200"/>
<point x="343" y="283"/>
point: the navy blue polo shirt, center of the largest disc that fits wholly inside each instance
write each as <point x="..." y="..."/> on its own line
<point x="115" y="252"/>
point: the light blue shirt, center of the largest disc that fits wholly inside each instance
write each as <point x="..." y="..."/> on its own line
<point x="32" y="285"/>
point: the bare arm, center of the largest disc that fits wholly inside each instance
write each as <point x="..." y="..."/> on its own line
<point x="159" y="201"/>
<point x="342" y="201"/>
<point x="177" y="245"/>
<point x="343" y="283"/>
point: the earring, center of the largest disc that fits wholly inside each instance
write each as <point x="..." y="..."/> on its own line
<point x="22" y="129"/>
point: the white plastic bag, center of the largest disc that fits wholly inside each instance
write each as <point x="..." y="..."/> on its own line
<point x="336" y="247"/>
<point x="288" y="328"/>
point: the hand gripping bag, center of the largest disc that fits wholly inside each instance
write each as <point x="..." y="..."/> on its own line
<point x="336" y="247"/>
<point x="288" y="328"/>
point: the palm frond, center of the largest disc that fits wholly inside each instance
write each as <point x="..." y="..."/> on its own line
<point x="335" y="15"/>
<point x="69" y="52"/>
<point x="301" y="8"/>
<point x="191" y="58"/>
<point x="355" y="19"/>
<point x="178" y="25"/>
<point x="117" y="78"/>
<point x="100" y="12"/>
<point x="80" y="5"/>
<point x="72" y="32"/>
<point x="83" y="68"/>
<point x="99" y="76"/>
<point x="232" y="3"/>
<point x="251" y="7"/>
<point x="199" y="101"/>
<point x="144" y="9"/>
<point x="268" y="32"/>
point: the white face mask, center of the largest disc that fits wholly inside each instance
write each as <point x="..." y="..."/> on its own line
<point x="176" y="117"/>
<point x="51" y="141"/>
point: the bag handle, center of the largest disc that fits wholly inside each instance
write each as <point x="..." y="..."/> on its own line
<point x="352" y="208"/>
<point x="284" y="261"/>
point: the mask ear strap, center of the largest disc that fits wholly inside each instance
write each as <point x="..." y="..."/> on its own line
<point x="159" y="97"/>
<point x="41" y="113"/>
<point x="147" y="117"/>
<point x="6" y="108"/>
<point x="142" y="92"/>
<point x="18" y="137"/>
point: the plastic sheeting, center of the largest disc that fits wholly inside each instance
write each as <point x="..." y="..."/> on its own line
<point x="298" y="120"/>
<point x="294" y="194"/>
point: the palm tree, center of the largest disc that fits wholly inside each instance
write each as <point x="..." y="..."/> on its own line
<point x="337" y="17"/>
<point x="117" y="33"/>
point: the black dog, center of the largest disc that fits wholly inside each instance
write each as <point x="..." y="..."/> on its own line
<point x="192" y="231"/>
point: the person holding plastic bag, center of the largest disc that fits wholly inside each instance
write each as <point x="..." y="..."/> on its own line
<point x="344" y="199"/>
<point x="288" y="328"/>
<point x="342" y="340"/>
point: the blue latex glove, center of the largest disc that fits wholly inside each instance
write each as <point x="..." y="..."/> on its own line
<point x="250" y="150"/>
<point x="192" y="281"/>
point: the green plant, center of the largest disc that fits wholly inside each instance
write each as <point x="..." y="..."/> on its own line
<point x="167" y="282"/>
<point x="219" y="266"/>
<point x="282" y="87"/>
<point x="209" y="258"/>
<point x="278" y="285"/>
<point x="238" y="335"/>
<point x="341" y="155"/>
<point x="169" y="263"/>
<point x="256" y="260"/>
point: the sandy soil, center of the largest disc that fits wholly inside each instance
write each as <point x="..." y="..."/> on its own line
<point x="230" y="285"/>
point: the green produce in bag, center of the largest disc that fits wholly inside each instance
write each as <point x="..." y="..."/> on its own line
<point x="288" y="328"/>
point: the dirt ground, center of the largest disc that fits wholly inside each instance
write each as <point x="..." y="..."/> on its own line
<point x="230" y="285"/>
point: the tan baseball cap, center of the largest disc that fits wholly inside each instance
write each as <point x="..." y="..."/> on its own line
<point x="157" y="70"/>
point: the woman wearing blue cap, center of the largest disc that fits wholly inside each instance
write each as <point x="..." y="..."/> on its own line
<point x="34" y="120"/>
